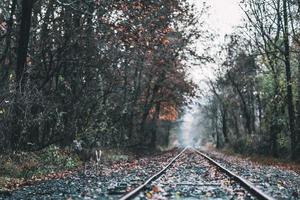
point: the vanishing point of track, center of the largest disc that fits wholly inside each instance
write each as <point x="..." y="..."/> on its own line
<point x="254" y="191"/>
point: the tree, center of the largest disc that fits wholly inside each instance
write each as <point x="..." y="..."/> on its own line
<point x="276" y="33"/>
<point x="91" y="70"/>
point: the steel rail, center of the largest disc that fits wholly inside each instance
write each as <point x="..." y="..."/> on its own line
<point x="246" y="184"/>
<point x="249" y="186"/>
<point x="137" y="190"/>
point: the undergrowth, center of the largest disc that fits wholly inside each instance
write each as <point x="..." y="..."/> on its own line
<point x="25" y="165"/>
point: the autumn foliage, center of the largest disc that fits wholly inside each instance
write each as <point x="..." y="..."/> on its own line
<point x="93" y="70"/>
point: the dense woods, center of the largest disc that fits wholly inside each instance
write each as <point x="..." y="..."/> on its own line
<point x="107" y="73"/>
<point x="100" y="71"/>
<point x="149" y="99"/>
<point x="255" y="101"/>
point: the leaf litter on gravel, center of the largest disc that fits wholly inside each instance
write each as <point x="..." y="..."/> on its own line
<point x="192" y="177"/>
<point x="277" y="180"/>
<point x="114" y="180"/>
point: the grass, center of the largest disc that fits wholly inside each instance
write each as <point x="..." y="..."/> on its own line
<point x="25" y="168"/>
<point x="18" y="168"/>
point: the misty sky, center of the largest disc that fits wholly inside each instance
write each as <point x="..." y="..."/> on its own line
<point x="224" y="15"/>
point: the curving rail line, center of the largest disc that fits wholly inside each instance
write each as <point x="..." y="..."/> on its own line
<point x="246" y="184"/>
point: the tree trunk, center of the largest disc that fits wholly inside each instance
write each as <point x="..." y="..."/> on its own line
<point x="246" y="113"/>
<point x="259" y="113"/>
<point x="298" y="109"/>
<point x="236" y="124"/>
<point x="155" y="121"/>
<point x="275" y="128"/>
<point x="224" y="124"/>
<point x="217" y="137"/>
<point x="5" y="59"/>
<point x="20" y="69"/>
<point x="23" y="43"/>
<point x="149" y="104"/>
<point x="274" y="136"/>
<point x="291" y="111"/>
<point x="137" y="91"/>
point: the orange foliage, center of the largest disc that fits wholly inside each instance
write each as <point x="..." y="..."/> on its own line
<point x="168" y="113"/>
<point x="165" y="41"/>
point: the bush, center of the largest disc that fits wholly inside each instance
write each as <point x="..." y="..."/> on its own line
<point x="26" y="165"/>
<point x="254" y="144"/>
<point x="60" y="158"/>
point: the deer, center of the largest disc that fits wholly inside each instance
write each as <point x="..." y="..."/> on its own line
<point x="89" y="156"/>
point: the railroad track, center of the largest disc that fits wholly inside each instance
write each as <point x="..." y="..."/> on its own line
<point x="202" y="172"/>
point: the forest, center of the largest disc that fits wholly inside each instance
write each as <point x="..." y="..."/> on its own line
<point x="108" y="72"/>
<point x="254" y="106"/>
<point x="97" y="71"/>
<point x="149" y="99"/>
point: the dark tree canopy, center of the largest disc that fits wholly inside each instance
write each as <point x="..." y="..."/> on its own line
<point x="100" y="71"/>
<point x="256" y="96"/>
